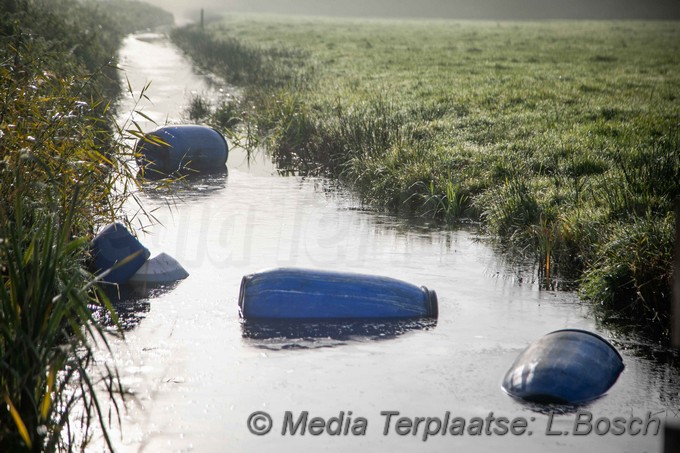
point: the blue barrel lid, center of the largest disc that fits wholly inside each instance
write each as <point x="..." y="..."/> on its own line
<point x="568" y="366"/>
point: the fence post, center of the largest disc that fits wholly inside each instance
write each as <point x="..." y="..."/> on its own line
<point x="671" y="438"/>
<point x="671" y="435"/>
<point x="675" y="301"/>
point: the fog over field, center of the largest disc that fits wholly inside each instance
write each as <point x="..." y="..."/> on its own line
<point x="445" y="9"/>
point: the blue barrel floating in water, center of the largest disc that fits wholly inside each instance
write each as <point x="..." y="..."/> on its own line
<point x="310" y="294"/>
<point x="116" y="249"/>
<point x="567" y="366"/>
<point x="183" y="148"/>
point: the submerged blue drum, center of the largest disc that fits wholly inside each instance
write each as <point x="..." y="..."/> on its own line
<point x="302" y="294"/>
<point x="183" y="148"/>
<point x="567" y="366"/>
<point x="116" y="249"/>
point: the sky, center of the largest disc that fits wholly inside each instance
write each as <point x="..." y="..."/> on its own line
<point x="451" y="9"/>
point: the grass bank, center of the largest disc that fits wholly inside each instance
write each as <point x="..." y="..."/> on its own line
<point x="561" y="137"/>
<point x="61" y="168"/>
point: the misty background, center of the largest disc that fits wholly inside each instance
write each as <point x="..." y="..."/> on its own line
<point x="189" y="10"/>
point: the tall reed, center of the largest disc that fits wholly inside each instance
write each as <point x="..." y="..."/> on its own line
<point x="47" y="332"/>
<point x="64" y="171"/>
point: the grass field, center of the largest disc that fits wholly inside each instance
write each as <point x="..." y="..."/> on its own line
<point x="561" y="137"/>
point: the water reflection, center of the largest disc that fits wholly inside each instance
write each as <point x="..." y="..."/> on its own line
<point x="529" y="269"/>
<point x="132" y="302"/>
<point x="188" y="187"/>
<point x="290" y="334"/>
<point x="151" y="37"/>
<point x="659" y="363"/>
<point x="555" y="409"/>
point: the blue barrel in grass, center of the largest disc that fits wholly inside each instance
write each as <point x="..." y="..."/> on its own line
<point x="181" y="149"/>
<point x="115" y="250"/>
<point x="567" y="366"/>
<point x="302" y="294"/>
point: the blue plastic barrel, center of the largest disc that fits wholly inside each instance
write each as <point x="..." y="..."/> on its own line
<point x="183" y="148"/>
<point x="567" y="366"/>
<point x="311" y="294"/>
<point x="116" y="249"/>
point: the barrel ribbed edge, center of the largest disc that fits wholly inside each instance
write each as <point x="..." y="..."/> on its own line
<point x="432" y="303"/>
<point x="224" y="139"/>
<point x="242" y="295"/>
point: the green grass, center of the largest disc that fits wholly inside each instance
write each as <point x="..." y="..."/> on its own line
<point x="561" y="137"/>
